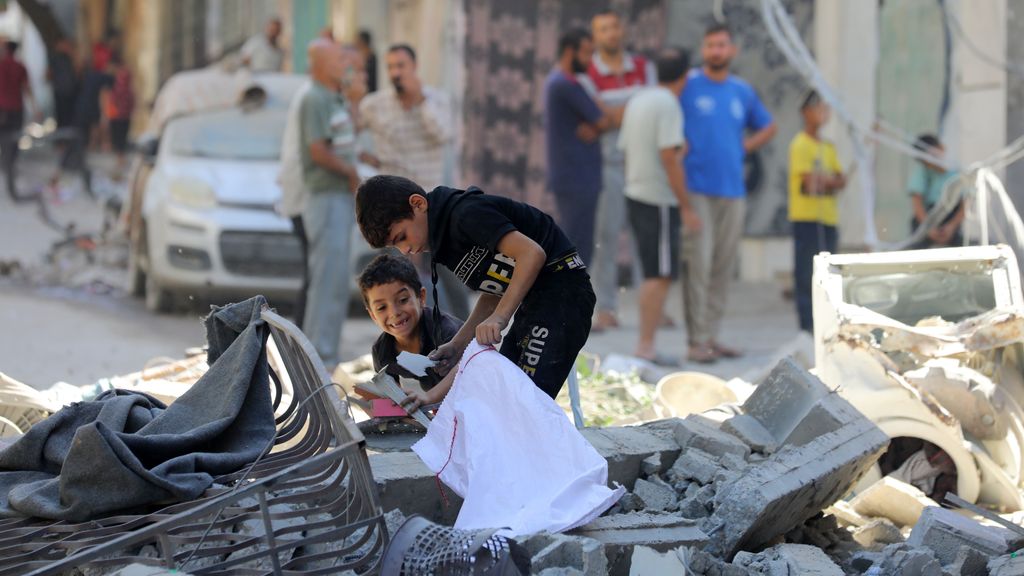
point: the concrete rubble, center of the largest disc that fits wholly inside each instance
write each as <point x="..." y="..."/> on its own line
<point x="696" y="485"/>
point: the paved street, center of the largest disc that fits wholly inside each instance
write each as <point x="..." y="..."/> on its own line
<point x="56" y="327"/>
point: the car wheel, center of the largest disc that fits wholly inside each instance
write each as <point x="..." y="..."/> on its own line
<point x="136" y="270"/>
<point x="158" y="298"/>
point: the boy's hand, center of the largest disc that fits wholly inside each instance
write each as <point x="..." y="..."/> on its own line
<point x="415" y="400"/>
<point x="446" y="356"/>
<point x="488" y="332"/>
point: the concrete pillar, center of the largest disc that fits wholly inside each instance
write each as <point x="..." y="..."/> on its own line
<point x="846" y="47"/>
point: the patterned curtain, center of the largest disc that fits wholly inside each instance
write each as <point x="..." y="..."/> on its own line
<point x="510" y="49"/>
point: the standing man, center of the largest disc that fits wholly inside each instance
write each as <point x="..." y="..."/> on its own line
<point x="411" y="126"/>
<point x="261" y="53"/>
<point x="656" y="190"/>
<point x="720" y="110"/>
<point x="364" y="43"/>
<point x="616" y="75"/>
<point x="14" y="89"/>
<point x="573" y="121"/>
<point x="327" y="139"/>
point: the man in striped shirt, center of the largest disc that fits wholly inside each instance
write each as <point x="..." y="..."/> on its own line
<point x="615" y="75"/>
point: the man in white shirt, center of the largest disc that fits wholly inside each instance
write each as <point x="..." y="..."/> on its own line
<point x="261" y="53"/>
<point x="652" y="139"/>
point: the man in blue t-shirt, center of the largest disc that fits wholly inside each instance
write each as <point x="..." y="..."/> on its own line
<point x="719" y="110"/>
<point x="573" y="121"/>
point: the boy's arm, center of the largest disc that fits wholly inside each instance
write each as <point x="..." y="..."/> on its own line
<point x="449" y="353"/>
<point x="918" y="203"/>
<point x="672" y="162"/>
<point x="530" y="258"/>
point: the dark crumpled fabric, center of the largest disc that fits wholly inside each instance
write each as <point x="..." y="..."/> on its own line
<point x="127" y="450"/>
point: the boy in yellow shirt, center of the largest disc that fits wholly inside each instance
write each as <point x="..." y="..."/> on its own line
<point x="815" y="178"/>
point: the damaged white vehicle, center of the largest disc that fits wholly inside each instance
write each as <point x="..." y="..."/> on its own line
<point x="928" y="345"/>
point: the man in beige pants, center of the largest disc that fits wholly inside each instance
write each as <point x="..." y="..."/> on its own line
<point x="724" y="120"/>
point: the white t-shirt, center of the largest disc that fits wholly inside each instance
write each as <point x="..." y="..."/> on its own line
<point x="263" y="56"/>
<point x="653" y="121"/>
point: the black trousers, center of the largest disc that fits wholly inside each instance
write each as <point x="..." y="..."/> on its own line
<point x="551" y="327"/>
<point x="11" y="122"/>
<point x="809" y="238"/>
<point x="300" y="298"/>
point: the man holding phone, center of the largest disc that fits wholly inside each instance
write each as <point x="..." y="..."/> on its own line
<point x="411" y="126"/>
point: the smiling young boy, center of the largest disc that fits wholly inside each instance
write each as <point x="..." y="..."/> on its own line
<point x="513" y="253"/>
<point x="394" y="298"/>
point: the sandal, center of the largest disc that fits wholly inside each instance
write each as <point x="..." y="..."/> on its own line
<point x="724" y="352"/>
<point x="702" y="354"/>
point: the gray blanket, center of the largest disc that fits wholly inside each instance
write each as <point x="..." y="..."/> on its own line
<point x="127" y="450"/>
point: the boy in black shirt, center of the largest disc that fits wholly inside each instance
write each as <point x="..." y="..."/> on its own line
<point x="394" y="298"/>
<point x="512" y="252"/>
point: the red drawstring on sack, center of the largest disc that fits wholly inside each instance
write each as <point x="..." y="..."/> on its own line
<point x="455" y="428"/>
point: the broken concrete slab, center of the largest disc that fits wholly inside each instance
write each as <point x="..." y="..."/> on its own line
<point x="785" y="397"/>
<point x="796" y="483"/>
<point x="622" y="532"/>
<point x="651" y="465"/>
<point x="657" y="497"/>
<point x="907" y="561"/>
<point x="893" y="499"/>
<point x="969" y="562"/>
<point x="945" y="531"/>
<point x="553" y="551"/>
<point x="880" y="531"/>
<point x="626" y="447"/>
<point x="693" y="432"/>
<point x="845" y="514"/>
<point x="646" y="561"/>
<point x="695" y="464"/>
<point x="751" y="432"/>
<point x="1008" y="565"/>
<point x="786" y="559"/>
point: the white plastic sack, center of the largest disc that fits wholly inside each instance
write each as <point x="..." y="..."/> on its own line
<point x="515" y="458"/>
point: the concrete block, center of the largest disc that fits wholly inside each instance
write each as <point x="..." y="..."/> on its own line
<point x="549" y="551"/>
<point x="893" y="499"/>
<point x="905" y="560"/>
<point x="830" y="413"/>
<point x="404" y="482"/>
<point x="693" y="509"/>
<point x="651" y="465"/>
<point x="693" y="432"/>
<point x="785" y="397"/>
<point x="732" y="462"/>
<point x="1008" y="565"/>
<point x="787" y="559"/>
<point x="945" y="531"/>
<point x="621" y="533"/>
<point x="751" y="432"/>
<point x="626" y="447"/>
<point x="878" y="531"/>
<point x="969" y="562"/>
<point x="657" y="497"/>
<point x="630" y="502"/>
<point x="795" y="484"/>
<point x="695" y="464"/>
<point x="647" y="561"/>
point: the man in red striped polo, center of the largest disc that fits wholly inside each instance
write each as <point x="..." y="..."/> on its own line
<point x="615" y="75"/>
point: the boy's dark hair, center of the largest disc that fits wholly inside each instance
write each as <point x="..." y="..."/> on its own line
<point x="11" y="47"/>
<point x="926" y="141"/>
<point x="387" y="268"/>
<point x="607" y="12"/>
<point x="365" y="37"/>
<point x="403" y="48"/>
<point x="672" y="64"/>
<point x="380" y="202"/>
<point x="572" y="40"/>
<point x="717" y="28"/>
<point x="811" y="99"/>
